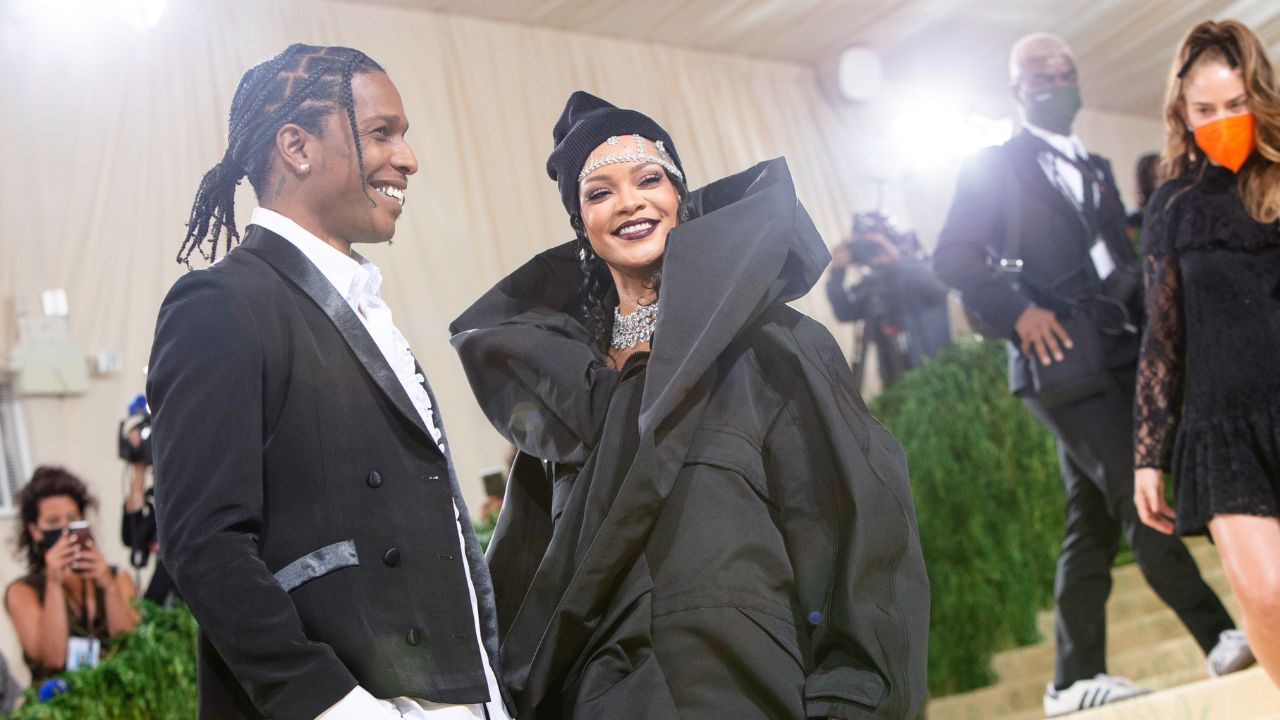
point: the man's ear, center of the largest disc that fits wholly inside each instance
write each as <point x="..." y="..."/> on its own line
<point x="294" y="147"/>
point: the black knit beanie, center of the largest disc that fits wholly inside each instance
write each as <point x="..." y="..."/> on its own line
<point x="586" y="122"/>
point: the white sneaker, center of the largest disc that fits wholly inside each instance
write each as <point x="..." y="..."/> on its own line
<point x="1232" y="653"/>
<point x="1083" y="694"/>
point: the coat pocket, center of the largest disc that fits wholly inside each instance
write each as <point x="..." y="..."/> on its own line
<point x="781" y="632"/>
<point x="317" y="564"/>
<point x="729" y="450"/>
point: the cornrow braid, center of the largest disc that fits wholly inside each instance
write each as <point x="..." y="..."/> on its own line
<point x="301" y="85"/>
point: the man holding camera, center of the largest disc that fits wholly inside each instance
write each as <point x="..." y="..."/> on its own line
<point x="902" y="304"/>
<point x="1035" y="241"/>
<point x="138" y="528"/>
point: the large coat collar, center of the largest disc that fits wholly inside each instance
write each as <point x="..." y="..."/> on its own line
<point x="750" y="245"/>
<point x="287" y="260"/>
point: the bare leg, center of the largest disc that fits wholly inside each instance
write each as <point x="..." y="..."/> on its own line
<point x="1250" y="550"/>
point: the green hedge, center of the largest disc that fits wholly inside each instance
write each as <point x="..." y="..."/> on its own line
<point x="989" y="499"/>
<point x="149" y="674"/>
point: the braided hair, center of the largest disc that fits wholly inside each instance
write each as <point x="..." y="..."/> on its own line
<point x="596" y="308"/>
<point x="302" y="85"/>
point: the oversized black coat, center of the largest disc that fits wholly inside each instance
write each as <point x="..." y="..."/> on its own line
<point x="721" y="530"/>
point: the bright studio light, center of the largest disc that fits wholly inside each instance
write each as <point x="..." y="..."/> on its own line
<point x="141" y="14"/>
<point x="74" y="15"/>
<point x="931" y="132"/>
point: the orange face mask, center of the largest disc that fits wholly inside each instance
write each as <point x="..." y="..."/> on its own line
<point x="1227" y="141"/>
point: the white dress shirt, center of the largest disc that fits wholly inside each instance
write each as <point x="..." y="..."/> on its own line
<point x="1064" y="175"/>
<point x="359" y="282"/>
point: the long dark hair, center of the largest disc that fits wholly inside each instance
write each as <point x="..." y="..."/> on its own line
<point x="597" y="301"/>
<point x="302" y="85"/>
<point x="47" y="481"/>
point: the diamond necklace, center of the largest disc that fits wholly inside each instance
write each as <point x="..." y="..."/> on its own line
<point x="631" y="330"/>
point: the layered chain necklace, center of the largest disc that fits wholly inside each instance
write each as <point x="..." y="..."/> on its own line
<point x="631" y="330"/>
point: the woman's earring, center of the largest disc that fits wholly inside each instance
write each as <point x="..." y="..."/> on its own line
<point x="304" y="168"/>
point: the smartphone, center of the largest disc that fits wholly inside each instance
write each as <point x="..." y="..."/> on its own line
<point x="80" y="533"/>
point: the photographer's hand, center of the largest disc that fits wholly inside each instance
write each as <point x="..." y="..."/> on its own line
<point x="118" y="588"/>
<point x="91" y="564"/>
<point x="1040" y="332"/>
<point x="58" y="560"/>
<point x="841" y="257"/>
<point x="134" y="501"/>
<point x="889" y="253"/>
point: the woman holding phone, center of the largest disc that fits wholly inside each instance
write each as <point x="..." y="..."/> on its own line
<point x="71" y="599"/>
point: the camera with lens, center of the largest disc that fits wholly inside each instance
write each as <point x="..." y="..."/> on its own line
<point x="139" y="419"/>
<point x="863" y="250"/>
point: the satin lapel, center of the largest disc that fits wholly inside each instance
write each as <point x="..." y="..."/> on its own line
<point x="477" y="566"/>
<point x="293" y="265"/>
<point x="1026" y="151"/>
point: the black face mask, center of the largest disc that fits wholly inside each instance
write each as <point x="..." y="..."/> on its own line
<point x="1053" y="109"/>
<point x="49" y="539"/>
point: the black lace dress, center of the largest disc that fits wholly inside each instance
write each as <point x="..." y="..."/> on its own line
<point x="1208" y="399"/>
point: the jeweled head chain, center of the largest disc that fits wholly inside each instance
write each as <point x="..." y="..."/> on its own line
<point x="641" y="154"/>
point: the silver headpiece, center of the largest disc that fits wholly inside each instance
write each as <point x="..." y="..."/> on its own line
<point x="640" y="155"/>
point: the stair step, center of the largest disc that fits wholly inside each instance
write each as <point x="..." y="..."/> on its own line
<point x="1246" y="695"/>
<point x="1136" y="603"/>
<point x="1020" y="705"/>
<point x="1202" y="551"/>
<point x="1123" y="636"/>
<point x="1145" y="641"/>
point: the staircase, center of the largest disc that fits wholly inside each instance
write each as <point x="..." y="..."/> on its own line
<point x="1146" y="643"/>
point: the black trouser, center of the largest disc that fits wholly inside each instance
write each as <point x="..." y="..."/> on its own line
<point x="1095" y="450"/>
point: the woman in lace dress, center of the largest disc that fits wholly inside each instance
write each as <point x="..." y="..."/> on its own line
<point x="1208" y="400"/>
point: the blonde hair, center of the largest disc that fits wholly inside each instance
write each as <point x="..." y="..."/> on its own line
<point x="1233" y="44"/>
<point x="1035" y="45"/>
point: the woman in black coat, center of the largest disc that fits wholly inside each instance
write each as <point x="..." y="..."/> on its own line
<point x="703" y="520"/>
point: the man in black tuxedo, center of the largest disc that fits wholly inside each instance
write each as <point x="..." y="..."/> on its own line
<point x="1035" y="242"/>
<point x="309" y="510"/>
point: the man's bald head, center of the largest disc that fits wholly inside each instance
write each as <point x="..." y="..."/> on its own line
<point x="1036" y="50"/>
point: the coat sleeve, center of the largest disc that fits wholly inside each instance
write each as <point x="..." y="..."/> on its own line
<point x="545" y="390"/>
<point x="972" y="236"/>
<point x="854" y="543"/>
<point x="205" y="387"/>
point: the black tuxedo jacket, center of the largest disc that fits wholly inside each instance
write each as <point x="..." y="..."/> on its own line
<point x="306" y="514"/>
<point x="1003" y="191"/>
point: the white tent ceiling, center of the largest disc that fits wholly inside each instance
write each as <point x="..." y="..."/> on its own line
<point x="1123" y="46"/>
